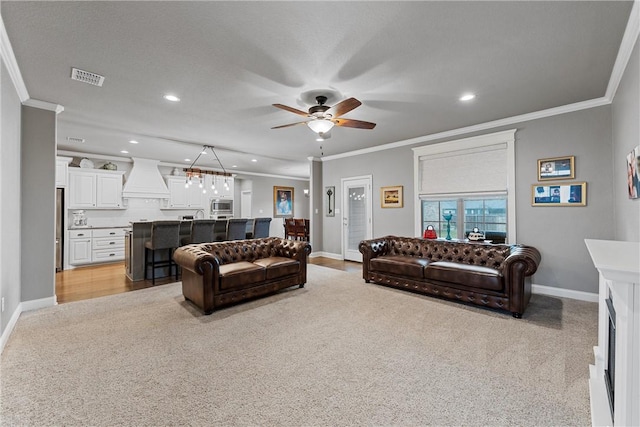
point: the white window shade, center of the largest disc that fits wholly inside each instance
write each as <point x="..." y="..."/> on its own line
<point x="475" y="170"/>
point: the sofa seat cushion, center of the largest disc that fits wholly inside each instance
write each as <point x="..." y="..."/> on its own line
<point x="278" y="266"/>
<point x="400" y="265"/>
<point x="240" y="274"/>
<point x="474" y="276"/>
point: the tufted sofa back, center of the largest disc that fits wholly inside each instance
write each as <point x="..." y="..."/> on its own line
<point x="242" y="250"/>
<point x="438" y="250"/>
<point x="253" y="249"/>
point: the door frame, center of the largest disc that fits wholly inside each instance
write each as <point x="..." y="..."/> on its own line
<point x="345" y="201"/>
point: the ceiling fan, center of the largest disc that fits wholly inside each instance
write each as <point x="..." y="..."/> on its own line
<point x="323" y="117"/>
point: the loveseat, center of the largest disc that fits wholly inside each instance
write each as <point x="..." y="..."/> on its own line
<point x="223" y="273"/>
<point x="495" y="276"/>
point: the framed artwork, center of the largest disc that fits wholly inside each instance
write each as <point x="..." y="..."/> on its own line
<point x="556" y="168"/>
<point x="330" y="201"/>
<point x="559" y="194"/>
<point x="391" y="197"/>
<point x="282" y="202"/>
<point x="633" y="173"/>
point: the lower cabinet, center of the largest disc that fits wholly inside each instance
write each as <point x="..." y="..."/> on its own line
<point x="96" y="246"/>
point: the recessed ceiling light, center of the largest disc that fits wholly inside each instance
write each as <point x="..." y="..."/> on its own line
<point x="171" y="98"/>
<point x="467" y="97"/>
<point x="133" y="141"/>
<point x="124" y="151"/>
<point x="187" y="160"/>
<point x="234" y="166"/>
<point x="254" y="160"/>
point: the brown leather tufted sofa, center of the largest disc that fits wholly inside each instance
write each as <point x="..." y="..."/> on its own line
<point x="223" y="273"/>
<point x="496" y="276"/>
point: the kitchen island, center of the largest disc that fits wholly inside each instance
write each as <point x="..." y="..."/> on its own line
<point x="134" y="248"/>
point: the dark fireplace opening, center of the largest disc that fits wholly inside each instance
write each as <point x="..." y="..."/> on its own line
<point x="610" y="371"/>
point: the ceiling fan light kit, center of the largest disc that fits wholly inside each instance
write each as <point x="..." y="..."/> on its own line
<point x="324" y="118"/>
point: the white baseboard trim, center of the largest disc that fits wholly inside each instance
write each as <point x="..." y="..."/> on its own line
<point x="326" y="255"/>
<point x="564" y="293"/>
<point x="36" y="304"/>
<point x="22" y="307"/>
<point x="9" y="329"/>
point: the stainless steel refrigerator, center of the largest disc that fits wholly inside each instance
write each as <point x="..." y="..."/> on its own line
<point x="59" y="227"/>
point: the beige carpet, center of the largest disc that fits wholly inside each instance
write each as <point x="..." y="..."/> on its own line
<point x="338" y="352"/>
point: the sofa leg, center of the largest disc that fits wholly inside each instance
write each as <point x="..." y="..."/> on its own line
<point x="301" y="286"/>
<point x="367" y="281"/>
<point x="517" y="315"/>
<point x="208" y="312"/>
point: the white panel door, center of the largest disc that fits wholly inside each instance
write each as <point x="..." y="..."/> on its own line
<point x="245" y="204"/>
<point x="356" y="215"/>
<point x="109" y="194"/>
<point x="82" y="190"/>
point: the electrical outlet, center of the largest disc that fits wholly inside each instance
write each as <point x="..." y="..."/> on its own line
<point x="2" y="309"/>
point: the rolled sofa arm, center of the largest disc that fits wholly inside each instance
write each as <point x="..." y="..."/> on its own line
<point x="295" y="249"/>
<point x="527" y="254"/>
<point x="374" y="247"/>
<point x="192" y="257"/>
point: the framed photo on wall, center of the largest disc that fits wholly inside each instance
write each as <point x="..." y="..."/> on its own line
<point x="391" y="197"/>
<point x="559" y="194"/>
<point x="556" y="168"/>
<point x="282" y="202"/>
<point x="633" y="173"/>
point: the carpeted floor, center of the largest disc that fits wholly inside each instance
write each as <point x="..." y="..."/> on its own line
<point x="337" y="352"/>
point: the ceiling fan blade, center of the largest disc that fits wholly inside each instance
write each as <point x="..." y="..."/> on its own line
<point x="289" y="125"/>
<point x="349" y="123"/>
<point x="343" y="107"/>
<point x="292" y="110"/>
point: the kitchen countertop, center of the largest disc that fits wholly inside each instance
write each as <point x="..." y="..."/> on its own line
<point x="85" y="227"/>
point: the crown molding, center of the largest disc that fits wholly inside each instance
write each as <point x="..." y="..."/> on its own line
<point x="584" y="105"/>
<point x="9" y="59"/>
<point x="44" y="105"/>
<point x="629" y="39"/>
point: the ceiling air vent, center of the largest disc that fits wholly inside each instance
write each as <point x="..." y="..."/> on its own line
<point x="75" y="140"/>
<point x="87" y="77"/>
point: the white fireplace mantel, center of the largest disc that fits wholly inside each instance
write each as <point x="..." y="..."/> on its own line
<point x="618" y="264"/>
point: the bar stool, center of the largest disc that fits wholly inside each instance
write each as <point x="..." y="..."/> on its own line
<point x="220" y="230"/>
<point x="201" y="232"/>
<point x="249" y="230"/>
<point x="261" y="227"/>
<point x="237" y="229"/>
<point x="164" y="235"/>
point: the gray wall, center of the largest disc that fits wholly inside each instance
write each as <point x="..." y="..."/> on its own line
<point x="317" y="207"/>
<point x="10" y="192"/>
<point x="38" y="205"/>
<point x="262" y="198"/>
<point x="558" y="232"/>
<point x="626" y="136"/>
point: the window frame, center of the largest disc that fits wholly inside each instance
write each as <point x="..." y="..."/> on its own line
<point x="507" y="137"/>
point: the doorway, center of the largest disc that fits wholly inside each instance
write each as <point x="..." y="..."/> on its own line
<point x="356" y="215"/>
<point x="245" y="204"/>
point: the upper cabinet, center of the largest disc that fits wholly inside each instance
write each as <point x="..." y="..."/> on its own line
<point x="183" y="197"/>
<point x="221" y="191"/>
<point x="62" y="165"/>
<point x="91" y="189"/>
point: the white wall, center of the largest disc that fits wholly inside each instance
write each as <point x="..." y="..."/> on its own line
<point x="626" y="136"/>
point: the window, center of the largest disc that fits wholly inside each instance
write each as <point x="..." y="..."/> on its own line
<point x="488" y="214"/>
<point x="471" y="178"/>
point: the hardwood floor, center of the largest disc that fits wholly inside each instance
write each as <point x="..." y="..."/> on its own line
<point x="108" y="279"/>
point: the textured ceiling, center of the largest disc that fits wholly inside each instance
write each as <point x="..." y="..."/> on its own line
<point x="408" y="62"/>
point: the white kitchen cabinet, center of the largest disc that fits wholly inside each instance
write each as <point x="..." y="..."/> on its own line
<point x="221" y="192"/>
<point x="62" y="165"/>
<point x="109" y="191"/>
<point x="90" y="189"/>
<point x="82" y="190"/>
<point x="181" y="197"/>
<point x="96" y="246"/>
<point x="79" y="247"/>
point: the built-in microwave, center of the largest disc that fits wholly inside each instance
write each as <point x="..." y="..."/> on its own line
<point x="221" y="207"/>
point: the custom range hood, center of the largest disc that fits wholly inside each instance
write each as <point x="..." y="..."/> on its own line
<point x="145" y="181"/>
